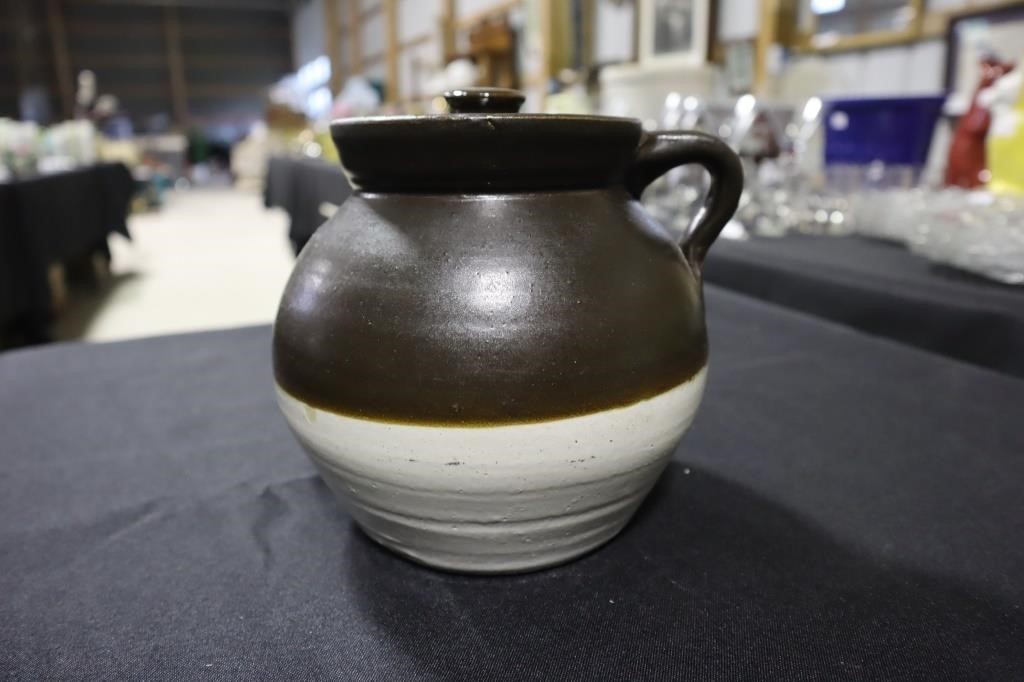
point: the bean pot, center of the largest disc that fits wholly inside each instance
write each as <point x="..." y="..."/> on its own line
<point x="491" y="351"/>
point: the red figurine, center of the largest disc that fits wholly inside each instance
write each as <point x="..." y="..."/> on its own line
<point x="967" y="152"/>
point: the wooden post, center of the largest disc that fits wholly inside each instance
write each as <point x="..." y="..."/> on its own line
<point x="175" y="66"/>
<point x="449" y="15"/>
<point x="392" y="51"/>
<point x="23" y="51"/>
<point x="769" y="10"/>
<point x="61" y="62"/>
<point x="355" y="37"/>
<point x="546" y="36"/>
<point x="332" y="40"/>
<point x="587" y="47"/>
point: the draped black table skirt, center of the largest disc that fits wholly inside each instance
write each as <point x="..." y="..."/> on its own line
<point x="301" y="187"/>
<point x="882" y="289"/>
<point x="51" y="219"/>
<point x="844" y="507"/>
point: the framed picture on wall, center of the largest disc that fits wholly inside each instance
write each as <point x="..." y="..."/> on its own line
<point x="674" y="31"/>
<point x="975" y="34"/>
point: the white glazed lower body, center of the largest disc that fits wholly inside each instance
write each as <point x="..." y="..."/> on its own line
<point x="496" y="499"/>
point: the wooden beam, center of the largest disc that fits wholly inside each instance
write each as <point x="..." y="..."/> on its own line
<point x="204" y="91"/>
<point x="120" y="28"/>
<point x="61" y="62"/>
<point x="120" y="60"/>
<point x="241" y="30"/>
<point x="332" y="43"/>
<point x="275" y="6"/>
<point x="131" y="61"/>
<point x="147" y="90"/>
<point x="280" y="60"/>
<point x="863" y="41"/>
<point x="391" y="41"/>
<point x="224" y="90"/>
<point x="176" y="66"/>
<point x="374" y="58"/>
<point x="370" y="12"/>
<point x="415" y="41"/>
<point x="104" y="28"/>
<point x="355" y="37"/>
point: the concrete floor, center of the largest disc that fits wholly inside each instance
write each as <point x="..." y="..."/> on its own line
<point x="209" y="259"/>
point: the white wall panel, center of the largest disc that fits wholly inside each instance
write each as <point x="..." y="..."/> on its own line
<point x="902" y="70"/>
<point x="948" y="4"/>
<point x="738" y="19"/>
<point x="926" y="67"/>
<point x="427" y="57"/>
<point x="468" y="7"/>
<point x="885" y="71"/>
<point x="613" y="32"/>
<point x="373" y="38"/>
<point x="416" y="17"/>
<point x="377" y="71"/>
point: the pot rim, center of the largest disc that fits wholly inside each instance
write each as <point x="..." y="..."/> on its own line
<point x="540" y="119"/>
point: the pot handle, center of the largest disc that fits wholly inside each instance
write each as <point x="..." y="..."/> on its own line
<point x="660" y="152"/>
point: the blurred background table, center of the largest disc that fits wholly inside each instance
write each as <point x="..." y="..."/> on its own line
<point x="302" y="187"/>
<point x="883" y="289"/>
<point x="50" y="220"/>
<point x="815" y="522"/>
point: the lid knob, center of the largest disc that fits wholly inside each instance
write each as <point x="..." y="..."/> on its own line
<point x="484" y="100"/>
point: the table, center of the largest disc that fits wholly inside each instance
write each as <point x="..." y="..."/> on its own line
<point x="844" y="507"/>
<point x="300" y="186"/>
<point x="51" y="219"/>
<point x="883" y="289"/>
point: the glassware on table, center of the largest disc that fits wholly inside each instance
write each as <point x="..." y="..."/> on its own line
<point x="975" y="231"/>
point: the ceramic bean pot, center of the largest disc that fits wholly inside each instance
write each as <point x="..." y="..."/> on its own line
<point x="491" y="351"/>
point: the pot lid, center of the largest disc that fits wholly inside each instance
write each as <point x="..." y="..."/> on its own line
<point x="485" y="144"/>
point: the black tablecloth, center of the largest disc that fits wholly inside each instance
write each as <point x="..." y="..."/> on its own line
<point x="883" y="289"/>
<point x="52" y="219"/>
<point x="843" y="508"/>
<point x="300" y="186"/>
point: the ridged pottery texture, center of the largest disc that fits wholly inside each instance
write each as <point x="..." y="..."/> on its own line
<point x="493" y="379"/>
<point x="496" y="498"/>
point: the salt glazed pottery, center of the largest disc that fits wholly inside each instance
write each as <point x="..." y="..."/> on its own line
<point x="491" y="350"/>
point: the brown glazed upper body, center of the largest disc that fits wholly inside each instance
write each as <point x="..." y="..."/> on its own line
<point x="475" y="278"/>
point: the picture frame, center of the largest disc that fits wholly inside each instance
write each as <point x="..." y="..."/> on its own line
<point x="807" y="34"/>
<point x="1003" y="23"/>
<point x="674" y="32"/>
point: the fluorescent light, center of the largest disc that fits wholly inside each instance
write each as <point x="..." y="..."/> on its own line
<point x="318" y="102"/>
<point x="827" y="6"/>
<point x="314" y="73"/>
<point x="745" y="105"/>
